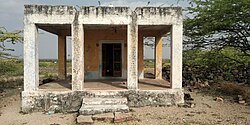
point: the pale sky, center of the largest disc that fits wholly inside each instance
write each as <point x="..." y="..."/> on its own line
<point x="11" y="17"/>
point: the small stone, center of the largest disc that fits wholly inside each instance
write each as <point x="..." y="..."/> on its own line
<point x="219" y="99"/>
<point x="53" y="109"/>
<point x="240" y="97"/>
<point x="84" y="119"/>
<point x="189" y="105"/>
<point x="181" y="105"/>
<point x="190" y="115"/>
<point x="106" y="117"/>
<point x="188" y="97"/>
<point x="192" y="105"/>
<point x="131" y="110"/>
<point x="55" y="99"/>
<point x="242" y="101"/>
<point x="122" y="117"/>
<point x="190" y="89"/>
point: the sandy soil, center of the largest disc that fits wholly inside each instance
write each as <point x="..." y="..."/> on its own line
<point x="10" y="108"/>
<point x="206" y="112"/>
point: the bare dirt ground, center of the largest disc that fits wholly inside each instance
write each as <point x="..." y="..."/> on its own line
<point x="10" y="108"/>
<point x="206" y="112"/>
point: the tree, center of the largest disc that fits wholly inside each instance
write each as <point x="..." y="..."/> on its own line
<point x="218" y="24"/>
<point x="5" y="36"/>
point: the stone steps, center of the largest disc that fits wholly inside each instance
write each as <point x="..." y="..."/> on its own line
<point x="104" y="94"/>
<point x="104" y="101"/>
<point x="97" y="105"/>
<point x="98" y="109"/>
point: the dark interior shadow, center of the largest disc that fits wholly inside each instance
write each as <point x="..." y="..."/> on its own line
<point x="118" y="84"/>
<point x="64" y="83"/>
<point x="149" y="75"/>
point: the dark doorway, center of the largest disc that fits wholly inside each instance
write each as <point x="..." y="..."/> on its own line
<point x="111" y="60"/>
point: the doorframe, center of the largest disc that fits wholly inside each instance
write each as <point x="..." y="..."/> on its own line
<point x="100" y="57"/>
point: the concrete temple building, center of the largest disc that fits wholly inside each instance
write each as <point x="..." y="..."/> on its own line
<point x="107" y="53"/>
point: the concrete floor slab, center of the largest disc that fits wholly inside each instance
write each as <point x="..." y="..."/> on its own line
<point x="144" y="84"/>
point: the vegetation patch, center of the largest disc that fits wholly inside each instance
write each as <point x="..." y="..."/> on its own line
<point x="11" y="67"/>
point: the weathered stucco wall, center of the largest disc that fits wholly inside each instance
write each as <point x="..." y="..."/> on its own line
<point x="105" y="15"/>
<point x="92" y="47"/>
<point x="48" y="14"/>
<point x="70" y="101"/>
<point x="159" y="15"/>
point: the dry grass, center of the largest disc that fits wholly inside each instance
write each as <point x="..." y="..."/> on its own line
<point x="231" y="88"/>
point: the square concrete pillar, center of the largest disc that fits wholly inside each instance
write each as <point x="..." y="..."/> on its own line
<point x="132" y="53"/>
<point x="31" y="66"/>
<point x="62" y="67"/>
<point x="158" y="57"/>
<point x="176" y="56"/>
<point x="77" y="57"/>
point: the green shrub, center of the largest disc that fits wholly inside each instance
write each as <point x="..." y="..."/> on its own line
<point x="223" y="58"/>
<point x="48" y="75"/>
<point x="229" y="63"/>
<point x="46" y="63"/>
<point x="11" y="67"/>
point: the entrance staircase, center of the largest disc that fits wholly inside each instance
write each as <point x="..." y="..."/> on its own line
<point x="103" y="104"/>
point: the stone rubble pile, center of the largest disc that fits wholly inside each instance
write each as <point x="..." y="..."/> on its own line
<point x="188" y="101"/>
<point x="202" y="76"/>
<point x="241" y="100"/>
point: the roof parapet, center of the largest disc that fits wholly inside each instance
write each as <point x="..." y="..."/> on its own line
<point x="49" y="9"/>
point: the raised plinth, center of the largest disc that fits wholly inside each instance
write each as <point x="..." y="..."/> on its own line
<point x="71" y="101"/>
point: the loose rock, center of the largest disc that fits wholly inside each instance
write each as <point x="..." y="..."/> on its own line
<point x="83" y="120"/>
<point x="242" y="102"/>
<point x="122" y="117"/>
<point x="219" y="99"/>
<point x="188" y="97"/>
<point x="105" y="117"/>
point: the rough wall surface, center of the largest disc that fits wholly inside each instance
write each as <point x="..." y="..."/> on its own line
<point x="47" y="14"/>
<point x="105" y="15"/>
<point x="159" y="15"/>
<point x="70" y="101"/>
<point x="92" y="48"/>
